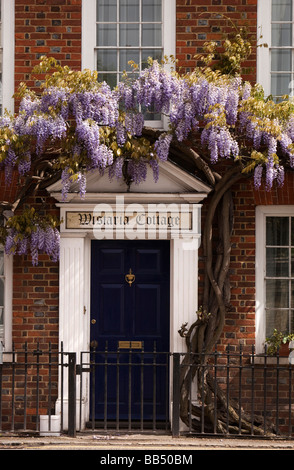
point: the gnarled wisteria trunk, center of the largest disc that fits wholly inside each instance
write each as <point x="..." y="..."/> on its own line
<point x="76" y="125"/>
<point x="220" y="414"/>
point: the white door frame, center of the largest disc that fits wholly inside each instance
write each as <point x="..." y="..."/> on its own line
<point x="75" y="273"/>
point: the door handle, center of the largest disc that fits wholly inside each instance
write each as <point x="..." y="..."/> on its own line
<point x="93" y="321"/>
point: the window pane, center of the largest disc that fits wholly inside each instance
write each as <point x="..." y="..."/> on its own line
<point x="151" y="35"/>
<point x="149" y="115"/>
<point x="107" y="60"/>
<point x="129" y="35"/>
<point x="109" y="78"/>
<point x="277" y="231"/>
<point x="125" y="56"/>
<point x="1" y="263"/>
<point x="292" y="293"/>
<point x="1" y="94"/>
<point x="277" y="293"/>
<point x="1" y="61"/>
<point x="1" y="292"/>
<point x="151" y="10"/>
<point x="106" y="10"/>
<point x="281" y="10"/>
<point x="281" y="60"/>
<point x="282" y="35"/>
<point x="277" y="319"/>
<point x="129" y="10"/>
<point x="106" y="35"/>
<point x="277" y="262"/>
<point x="292" y="231"/>
<point x="130" y="76"/>
<point x="292" y="262"/>
<point x="280" y="84"/>
<point x="156" y="54"/>
<point x="1" y="322"/>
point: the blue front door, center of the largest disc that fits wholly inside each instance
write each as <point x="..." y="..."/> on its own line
<point x="130" y="313"/>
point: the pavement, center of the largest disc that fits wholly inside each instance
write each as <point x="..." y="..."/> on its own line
<point x="144" y="444"/>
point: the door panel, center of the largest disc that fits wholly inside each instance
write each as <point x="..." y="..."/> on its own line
<point x="148" y="321"/>
<point x="111" y="302"/>
<point x="124" y="313"/>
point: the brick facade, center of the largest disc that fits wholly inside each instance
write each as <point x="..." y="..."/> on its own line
<point x="46" y="27"/>
<point x="199" y="21"/>
<point x="53" y="28"/>
<point x="35" y="294"/>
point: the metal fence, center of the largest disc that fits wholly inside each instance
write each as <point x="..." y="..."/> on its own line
<point x="139" y="390"/>
<point x="129" y="388"/>
<point x="249" y="395"/>
<point x="29" y="381"/>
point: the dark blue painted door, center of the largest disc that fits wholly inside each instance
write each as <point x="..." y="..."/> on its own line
<point x="135" y="315"/>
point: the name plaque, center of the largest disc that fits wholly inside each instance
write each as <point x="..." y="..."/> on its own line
<point x="140" y="220"/>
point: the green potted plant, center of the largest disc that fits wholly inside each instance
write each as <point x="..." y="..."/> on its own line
<point x="279" y="341"/>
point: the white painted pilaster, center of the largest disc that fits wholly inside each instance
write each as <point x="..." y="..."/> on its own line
<point x="74" y="317"/>
<point x="184" y="283"/>
<point x="73" y="325"/>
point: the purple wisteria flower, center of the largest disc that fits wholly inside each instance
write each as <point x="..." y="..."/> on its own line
<point x="137" y="171"/>
<point x="258" y="176"/>
<point x="116" y="169"/>
<point x="162" y="146"/>
<point x="134" y="123"/>
<point x="220" y="143"/>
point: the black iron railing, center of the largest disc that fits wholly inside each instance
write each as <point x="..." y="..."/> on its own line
<point x="129" y="388"/>
<point x="237" y="393"/>
<point x="137" y="390"/>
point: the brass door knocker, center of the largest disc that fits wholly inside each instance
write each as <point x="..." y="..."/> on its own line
<point x="130" y="277"/>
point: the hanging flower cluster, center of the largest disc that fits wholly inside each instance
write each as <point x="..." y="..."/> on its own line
<point x="68" y="113"/>
<point x="75" y="109"/>
<point x="268" y="127"/>
<point x="30" y="233"/>
<point x="96" y="128"/>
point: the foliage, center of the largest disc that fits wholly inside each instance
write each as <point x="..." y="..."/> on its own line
<point x="77" y="124"/>
<point x="276" y="339"/>
<point x="31" y="231"/>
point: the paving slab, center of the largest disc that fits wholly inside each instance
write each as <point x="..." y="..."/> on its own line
<point x="139" y="442"/>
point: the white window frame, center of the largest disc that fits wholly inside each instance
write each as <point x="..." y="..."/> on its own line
<point x="89" y="38"/>
<point x="263" y="53"/>
<point x="261" y="213"/>
<point x="6" y="339"/>
<point x="264" y="18"/>
<point x="8" y="82"/>
<point x="8" y="47"/>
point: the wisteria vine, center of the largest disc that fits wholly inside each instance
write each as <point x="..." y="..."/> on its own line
<point x="97" y="128"/>
<point x="31" y="233"/>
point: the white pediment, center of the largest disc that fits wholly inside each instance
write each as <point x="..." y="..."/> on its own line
<point x="174" y="184"/>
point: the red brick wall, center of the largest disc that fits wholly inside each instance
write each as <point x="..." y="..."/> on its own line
<point x="46" y="27"/>
<point x="239" y="325"/>
<point x="52" y="28"/>
<point x="199" y="21"/>
<point x="240" y="320"/>
<point x="36" y="294"/>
